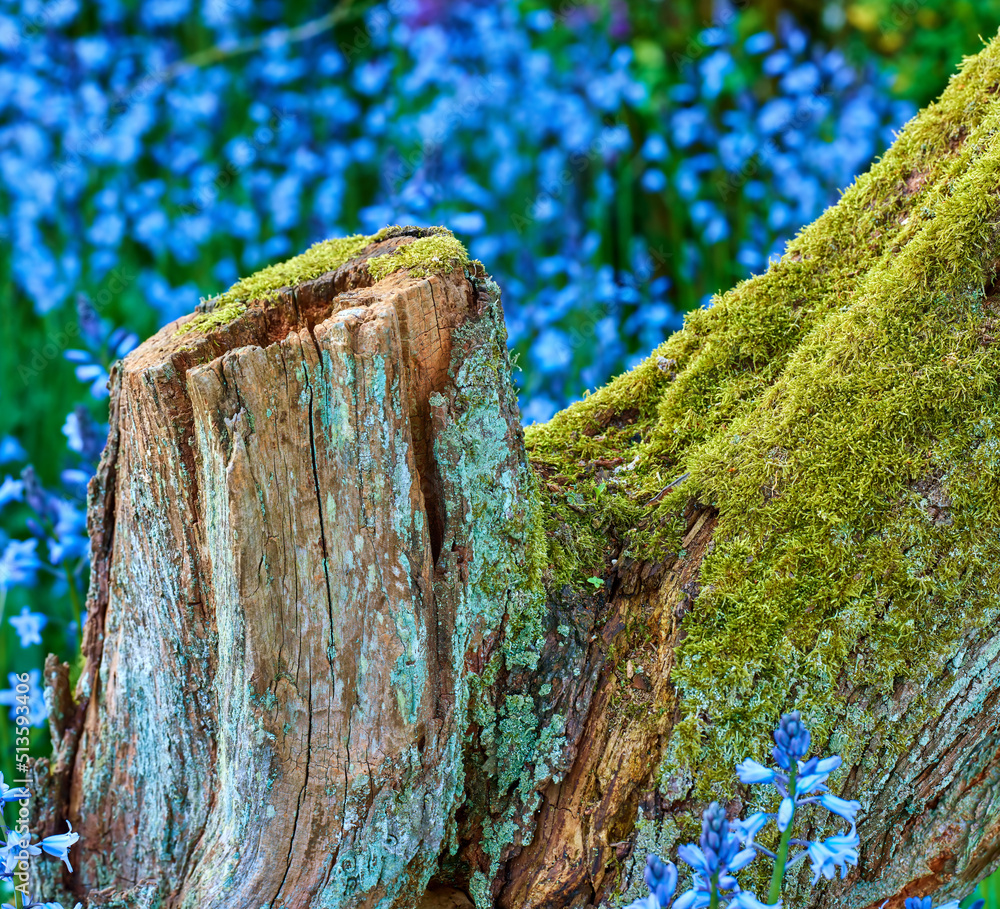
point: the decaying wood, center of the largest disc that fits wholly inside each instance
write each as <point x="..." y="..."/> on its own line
<point x="283" y="606"/>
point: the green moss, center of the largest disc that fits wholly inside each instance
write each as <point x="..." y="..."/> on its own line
<point x="841" y="413"/>
<point x="320" y="258"/>
<point x="425" y="256"/>
<point x="434" y="249"/>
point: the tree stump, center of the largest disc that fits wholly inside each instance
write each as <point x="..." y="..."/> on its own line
<point x="347" y="647"/>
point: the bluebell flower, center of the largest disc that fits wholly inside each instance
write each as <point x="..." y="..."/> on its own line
<point x="750" y="771"/>
<point x="28" y="626"/>
<point x="813" y="774"/>
<point x="785" y="813"/>
<point x="759" y="43"/>
<point x="803" y="79"/>
<point x="11" y="490"/>
<point x="31" y="904"/>
<point x="748" y="828"/>
<point x="59" y="845"/>
<point x="832" y="853"/>
<point x="18" y="564"/>
<point x="17" y="848"/>
<point x="715" y="860"/>
<point x="778" y="63"/>
<point x="661" y="879"/>
<point x="654" y="148"/>
<point x="649" y="901"/>
<point x="746" y="900"/>
<point x="653" y="180"/>
<point x="89" y="371"/>
<point x="84" y="435"/>
<point x="847" y="809"/>
<point x="917" y="902"/>
<point x="791" y="740"/>
<point x="11" y="450"/>
<point x="714" y="70"/>
<point x="9" y="794"/>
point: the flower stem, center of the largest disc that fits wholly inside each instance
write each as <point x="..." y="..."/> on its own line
<point x="778" y="877"/>
<point x="714" y="898"/>
<point x="74" y="599"/>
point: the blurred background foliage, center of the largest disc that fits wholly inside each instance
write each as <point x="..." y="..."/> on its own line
<point x="614" y="163"/>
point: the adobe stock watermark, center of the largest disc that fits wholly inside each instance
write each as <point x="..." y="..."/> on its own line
<point x="454" y="112"/>
<point x="804" y="113"/>
<point x="207" y="194"/>
<point x="22" y="742"/>
<point x="60" y="340"/>
<point x="577" y="164"/>
<point x="76" y="154"/>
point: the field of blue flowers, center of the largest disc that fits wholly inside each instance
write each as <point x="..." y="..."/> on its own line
<point x="614" y="164"/>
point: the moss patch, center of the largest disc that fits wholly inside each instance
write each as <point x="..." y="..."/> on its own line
<point x="422" y="257"/>
<point x="320" y="258"/>
<point x="434" y="250"/>
<point x="841" y="412"/>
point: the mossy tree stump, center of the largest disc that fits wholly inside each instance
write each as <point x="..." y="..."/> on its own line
<point x="343" y="642"/>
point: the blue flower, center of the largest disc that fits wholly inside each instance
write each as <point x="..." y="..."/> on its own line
<point x="31" y="904"/>
<point x="750" y="771"/>
<point x="791" y="740"/>
<point x="58" y="846"/>
<point x="759" y="43"/>
<point x="661" y="878"/>
<point x="814" y="773"/>
<point x="654" y="148"/>
<point x="11" y="490"/>
<point x="715" y="860"/>
<point x="832" y="853"/>
<point x="748" y="828"/>
<point x="653" y="180"/>
<point x="37" y="711"/>
<point x="85" y="437"/>
<point x="8" y="794"/>
<point x="846" y="809"/>
<point x="17" y="848"/>
<point x="649" y="901"/>
<point x="18" y="563"/>
<point x="29" y="627"/>
<point x="11" y="450"/>
<point x="746" y="900"/>
<point x="777" y="63"/>
<point x="785" y="813"/>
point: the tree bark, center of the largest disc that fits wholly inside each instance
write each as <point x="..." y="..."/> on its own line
<point x="347" y="647"/>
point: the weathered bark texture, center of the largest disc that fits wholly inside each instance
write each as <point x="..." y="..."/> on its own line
<point x="284" y="600"/>
<point x="346" y="648"/>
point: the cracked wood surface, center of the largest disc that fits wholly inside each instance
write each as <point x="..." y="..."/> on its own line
<point x="272" y="714"/>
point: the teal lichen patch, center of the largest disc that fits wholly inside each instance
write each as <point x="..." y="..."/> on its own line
<point x="440" y="252"/>
<point x="841" y="413"/>
<point x="319" y="259"/>
<point x="492" y="510"/>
